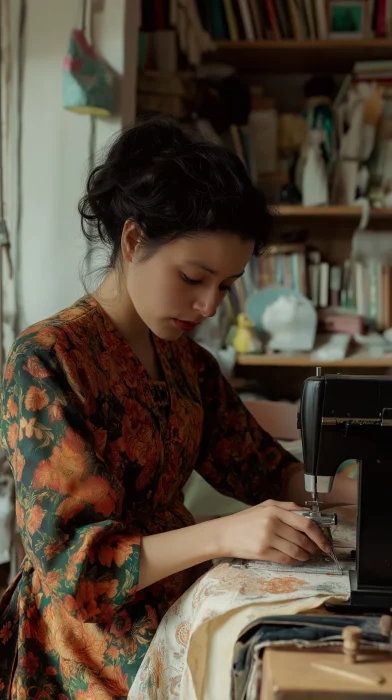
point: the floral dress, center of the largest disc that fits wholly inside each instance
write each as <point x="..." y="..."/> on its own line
<point x="100" y="455"/>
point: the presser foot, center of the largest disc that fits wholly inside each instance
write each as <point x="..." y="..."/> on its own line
<point x="324" y="522"/>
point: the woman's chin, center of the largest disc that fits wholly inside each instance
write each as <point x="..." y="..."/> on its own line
<point x="167" y="332"/>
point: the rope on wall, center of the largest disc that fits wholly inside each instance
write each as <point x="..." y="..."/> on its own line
<point x="84" y="15"/>
<point x="87" y="27"/>
<point x="4" y="234"/>
<point x="19" y="193"/>
<point x="92" y="145"/>
<point x="9" y="532"/>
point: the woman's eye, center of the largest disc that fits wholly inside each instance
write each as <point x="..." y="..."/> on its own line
<point x="188" y="280"/>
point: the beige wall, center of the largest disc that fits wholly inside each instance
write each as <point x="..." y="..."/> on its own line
<point x="55" y="143"/>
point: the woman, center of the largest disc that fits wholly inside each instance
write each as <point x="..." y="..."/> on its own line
<point x="107" y="408"/>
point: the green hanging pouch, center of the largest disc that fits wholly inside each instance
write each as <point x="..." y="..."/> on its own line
<point x="88" y="82"/>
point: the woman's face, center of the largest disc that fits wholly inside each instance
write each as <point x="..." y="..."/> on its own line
<point x="183" y="282"/>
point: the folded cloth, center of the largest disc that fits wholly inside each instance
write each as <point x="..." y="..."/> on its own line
<point x="295" y="631"/>
<point x="191" y="656"/>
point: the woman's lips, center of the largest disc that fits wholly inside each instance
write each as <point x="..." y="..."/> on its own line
<point x="184" y="325"/>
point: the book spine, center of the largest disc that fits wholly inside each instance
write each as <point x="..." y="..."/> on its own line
<point x="246" y="20"/>
<point x="272" y="18"/>
<point x="321" y="19"/>
<point x="231" y="21"/>
<point x="381" y="25"/>
<point x="324" y="285"/>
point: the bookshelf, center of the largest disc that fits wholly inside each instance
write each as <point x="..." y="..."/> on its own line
<point x="279" y="68"/>
<point x="305" y="360"/>
<point x="329" y="228"/>
<point x="256" y="39"/>
<point x="332" y="211"/>
<point x="292" y="56"/>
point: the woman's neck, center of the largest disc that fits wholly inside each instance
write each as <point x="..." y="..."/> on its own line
<point x="113" y="296"/>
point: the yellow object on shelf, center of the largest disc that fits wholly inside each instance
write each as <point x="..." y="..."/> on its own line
<point x="245" y="339"/>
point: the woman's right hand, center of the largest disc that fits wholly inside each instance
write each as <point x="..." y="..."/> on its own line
<point x="271" y="531"/>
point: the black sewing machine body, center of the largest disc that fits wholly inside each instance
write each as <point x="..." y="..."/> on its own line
<point x="350" y="417"/>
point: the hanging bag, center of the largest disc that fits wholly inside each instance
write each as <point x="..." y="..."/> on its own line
<point x="88" y="82"/>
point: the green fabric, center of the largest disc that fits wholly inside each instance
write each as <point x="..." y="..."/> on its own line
<point x="88" y="83"/>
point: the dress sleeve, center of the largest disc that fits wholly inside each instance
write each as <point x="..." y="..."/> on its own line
<point x="237" y="457"/>
<point x="68" y="501"/>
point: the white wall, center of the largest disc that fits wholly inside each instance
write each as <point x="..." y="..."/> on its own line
<point x="55" y="148"/>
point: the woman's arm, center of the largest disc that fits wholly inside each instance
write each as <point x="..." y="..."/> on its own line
<point x="68" y="501"/>
<point x="239" y="458"/>
<point x="169" y="552"/>
<point x="269" y="531"/>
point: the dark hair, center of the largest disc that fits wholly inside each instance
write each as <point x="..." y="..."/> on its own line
<point x="170" y="183"/>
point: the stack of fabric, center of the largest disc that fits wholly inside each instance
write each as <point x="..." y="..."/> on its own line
<point x="209" y="643"/>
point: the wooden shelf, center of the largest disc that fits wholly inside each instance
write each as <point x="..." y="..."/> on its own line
<point x="339" y="211"/>
<point x="305" y="360"/>
<point x="278" y="178"/>
<point x="291" y="56"/>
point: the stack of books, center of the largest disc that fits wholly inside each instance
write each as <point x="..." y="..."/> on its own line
<point x="359" y="288"/>
<point x="254" y="20"/>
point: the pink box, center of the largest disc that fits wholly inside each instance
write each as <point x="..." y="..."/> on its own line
<point x="279" y="418"/>
<point x="340" y="323"/>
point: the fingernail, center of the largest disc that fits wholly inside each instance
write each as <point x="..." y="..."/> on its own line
<point x="327" y="548"/>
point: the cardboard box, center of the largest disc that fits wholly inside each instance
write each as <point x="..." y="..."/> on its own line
<point x="291" y="675"/>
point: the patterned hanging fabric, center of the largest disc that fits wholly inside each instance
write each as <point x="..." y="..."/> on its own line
<point x="88" y="82"/>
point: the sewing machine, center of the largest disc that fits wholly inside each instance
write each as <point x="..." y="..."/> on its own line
<point x="350" y="417"/>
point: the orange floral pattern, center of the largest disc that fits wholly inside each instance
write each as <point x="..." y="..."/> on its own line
<point x="193" y="650"/>
<point x="100" y="455"/>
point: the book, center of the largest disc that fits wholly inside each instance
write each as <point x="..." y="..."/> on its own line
<point x="247" y="20"/>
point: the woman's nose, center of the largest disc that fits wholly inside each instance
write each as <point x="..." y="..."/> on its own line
<point x="207" y="304"/>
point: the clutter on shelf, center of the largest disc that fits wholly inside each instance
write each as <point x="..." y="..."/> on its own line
<point x="171" y="36"/>
<point x="324" y="143"/>
<point x="294" y="297"/>
<point x="337" y="151"/>
<point x="271" y="20"/>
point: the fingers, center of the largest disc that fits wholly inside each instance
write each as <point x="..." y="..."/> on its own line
<point x="278" y="556"/>
<point x="289" y="549"/>
<point x="284" y="537"/>
<point x="290" y="505"/>
<point x="275" y="555"/>
<point x="281" y="511"/>
<point x="298" y="522"/>
<point x="297" y="538"/>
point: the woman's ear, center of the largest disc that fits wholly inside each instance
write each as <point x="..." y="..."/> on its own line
<point x="130" y="238"/>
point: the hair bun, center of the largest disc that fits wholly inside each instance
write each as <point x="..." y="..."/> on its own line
<point x="134" y="150"/>
<point x="170" y="183"/>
